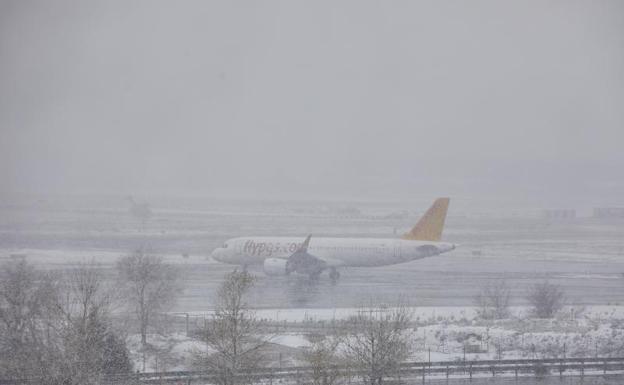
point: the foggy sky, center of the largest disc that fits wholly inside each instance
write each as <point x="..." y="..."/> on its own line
<point x="316" y="98"/>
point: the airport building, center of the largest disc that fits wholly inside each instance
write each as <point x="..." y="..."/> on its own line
<point x="559" y="214"/>
<point x="609" y="212"/>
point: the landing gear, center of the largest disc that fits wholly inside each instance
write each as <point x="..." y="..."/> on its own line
<point x="315" y="275"/>
<point x="334" y="275"/>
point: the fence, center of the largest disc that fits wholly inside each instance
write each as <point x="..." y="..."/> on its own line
<point x="409" y="372"/>
<point x="414" y="372"/>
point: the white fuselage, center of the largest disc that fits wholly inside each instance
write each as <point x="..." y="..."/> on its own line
<point x="354" y="252"/>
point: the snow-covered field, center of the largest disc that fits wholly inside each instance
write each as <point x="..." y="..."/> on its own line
<point x="439" y="334"/>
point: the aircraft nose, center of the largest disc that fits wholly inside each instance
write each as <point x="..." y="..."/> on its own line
<point x="448" y="247"/>
<point x="217" y="254"/>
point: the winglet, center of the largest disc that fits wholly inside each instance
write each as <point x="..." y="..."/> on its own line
<point x="430" y="226"/>
<point x="304" y="245"/>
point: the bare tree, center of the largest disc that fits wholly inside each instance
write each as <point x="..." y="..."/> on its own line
<point x="140" y="211"/>
<point x="91" y="348"/>
<point x="151" y="287"/>
<point x="24" y="304"/>
<point x="234" y="335"/>
<point x="323" y="358"/>
<point x="493" y="300"/>
<point x="546" y="299"/>
<point x="377" y="341"/>
<point x="55" y="329"/>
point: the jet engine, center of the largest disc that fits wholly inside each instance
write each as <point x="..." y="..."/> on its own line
<point x="275" y="266"/>
<point x="428" y="251"/>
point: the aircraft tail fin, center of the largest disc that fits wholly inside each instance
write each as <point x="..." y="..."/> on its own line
<point x="430" y="226"/>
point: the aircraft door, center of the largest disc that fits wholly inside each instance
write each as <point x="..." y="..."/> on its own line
<point x="397" y="250"/>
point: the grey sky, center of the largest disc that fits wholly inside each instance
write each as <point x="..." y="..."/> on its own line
<point x="327" y="98"/>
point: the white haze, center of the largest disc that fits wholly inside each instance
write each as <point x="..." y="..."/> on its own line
<point x="291" y="99"/>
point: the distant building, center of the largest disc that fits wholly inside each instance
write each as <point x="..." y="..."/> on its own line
<point x="559" y="214"/>
<point x="609" y="212"/>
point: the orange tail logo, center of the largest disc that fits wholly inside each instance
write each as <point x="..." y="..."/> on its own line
<point x="430" y="226"/>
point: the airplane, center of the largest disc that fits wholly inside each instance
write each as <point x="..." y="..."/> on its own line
<point x="312" y="256"/>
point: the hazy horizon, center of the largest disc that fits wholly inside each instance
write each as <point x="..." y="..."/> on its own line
<point x="301" y="100"/>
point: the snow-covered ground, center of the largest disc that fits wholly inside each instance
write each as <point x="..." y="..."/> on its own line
<point x="421" y="314"/>
<point x="62" y="258"/>
<point x="439" y="334"/>
<point x="165" y="352"/>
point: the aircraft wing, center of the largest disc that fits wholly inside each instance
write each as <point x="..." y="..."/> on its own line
<point x="303" y="262"/>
